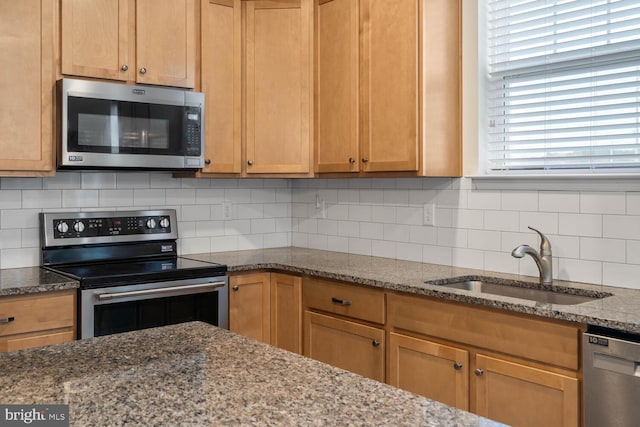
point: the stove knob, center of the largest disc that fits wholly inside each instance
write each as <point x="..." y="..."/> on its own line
<point x="151" y="223"/>
<point x="164" y="223"/>
<point x="79" y="226"/>
<point x="62" y="227"/>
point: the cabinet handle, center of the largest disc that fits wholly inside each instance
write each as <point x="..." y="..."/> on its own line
<point x="250" y="162"/>
<point x="124" y="67"/>
<point x="340" y="301"/>
<point x="479" y="372"/>
<point x="457" y="366"/>
<point x="235" y="288"/>
<point x="7" y="319"/>
<point x="143" y="70"/>
<point x="207" y="162"/>
<point x="352" y="160"/>
<point x="375" y="343"/>
<point x="365" y="159"/>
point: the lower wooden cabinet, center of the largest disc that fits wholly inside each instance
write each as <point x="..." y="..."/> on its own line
<point x="521" y="395"/>
<point x="515" y="369"/>
<point x="348" y="345"/>
<point x="38" y="319"/>
<point x="433" y="370"/>
<point x="267" y="307"/>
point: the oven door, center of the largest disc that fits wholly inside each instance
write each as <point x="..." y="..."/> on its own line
<point x="105" y="311"/>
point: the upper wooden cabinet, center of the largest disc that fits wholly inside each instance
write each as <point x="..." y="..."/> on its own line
<point x="279" y="91"/>
<point x="387" y="86"/>
<point x="146" y="41"/>
<point x="221" y="80"/>
<point x="27" y="43"/>
<point x="256" y="74"/>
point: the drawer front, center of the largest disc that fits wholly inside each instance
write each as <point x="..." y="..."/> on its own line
<point x="347" y="300"/>
<point x="20" y="343"/>
<point x="31" y="313"/>
<point x="549" y="342"/>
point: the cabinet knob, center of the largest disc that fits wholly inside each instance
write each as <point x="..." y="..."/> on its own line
<point x="235" y="288"/>
<point x="7" y="319"/>
<point x="375" y="343"/>
<point x="250" y="162"/>
<point x="143" y="70"/>
<point x="365" y="159"/>
<point x="457" y="366"/>
<point x="352" y="160"/>
<point x="479" y="372"/>
<point x="207" y="162"/>
<point x="124" y="67"/>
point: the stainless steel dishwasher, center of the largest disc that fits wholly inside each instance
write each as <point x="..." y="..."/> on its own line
<point x="611" y="378"/>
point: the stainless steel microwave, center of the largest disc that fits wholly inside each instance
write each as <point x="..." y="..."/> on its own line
<point x="115" y="125"/>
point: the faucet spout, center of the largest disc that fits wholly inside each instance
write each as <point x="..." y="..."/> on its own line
<point x="543" y="259"/>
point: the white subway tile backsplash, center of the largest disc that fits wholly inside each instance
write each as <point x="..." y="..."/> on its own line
<point x="371" y="197"/>
<point x="19" y="218"/>
<point x="250" y="241"/>
<point x="622" y="275"/>
<point x="559" y="201"/>
<point x="46" y="199"/>
<point x="348" y="196"/>
<point x="63" y="181"/>
<point x="437" y="254"/>
<point x="209" y="228"/>
<point x="98" y="180"/>
<point x="608" y="250"/>
<point x="237" y="227"/>
<point x="633" y="203"/>
<point x="420" y="197"/>
<point x="275" y="210"/>
<point x="466" y="218"/>
<point x="621" y="227"/>
<point x="502" y="262"/>
<point x="479" y="199"/>
<point x="133" y="180"/>
<point x="578" y="270"/>
<point x="453" y="237"/>
<point x="195" y="183"/>
<point x="468" y="258"/>
<point x="276" y="240"/>
<point x="360" y="213"/>
<point x="564" y="246"/>
<point x="31" y="238"/>
<point x="209" y="196"/>
<point x="359" y="246"/>
<point x="409" y="251"/>
<point x="633" y="252"/>
<point x="383" y="248"/>
<point x="339" y="244"/>
<point x="195" y="245"/>
<point x="238" y="195"/>
<point x="603" y="203"/>
<point x="148" y="197"/>
<point x="318" y="241"/>
<point x="80" y="198"/>
<point x="371" y="230"/>
<point x="10" y="199"/>
<point x="580" y="225"/>
<point x="385" y="214"/>
<point x="519" y="201"/>
<point x="409" y="216"/>
<point x="444" y="217"/>
<point x="545" y="222"/>
<point x="163" y="180"/>
<point x="423" y="234"/>
<point x="348" y="229"/>
<point x="264" y="225"/>
<point x="21" y="183"/>
<point x="181" y="196"/>
<point x="248" y="211"/>
<point x="502" y="220"/>
<point x="397" y="232"/>
<point x="395" y="197"/>
<point x="196" y="213"/>
<point x="11" y="238"/>
<point x="224" y="243"/>
<point x="452" y="199"/>
<point x="484" y="240"/>
<point x="16" y="258"/>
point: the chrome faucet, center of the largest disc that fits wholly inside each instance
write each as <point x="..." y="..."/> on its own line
<point x="544" y="259"/>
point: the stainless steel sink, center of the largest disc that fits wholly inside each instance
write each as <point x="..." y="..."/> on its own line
<point x="550" y="296"/>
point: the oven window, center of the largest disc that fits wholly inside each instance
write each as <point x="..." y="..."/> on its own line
<point x="104" y="126"/>
<point x="133" y="315"/>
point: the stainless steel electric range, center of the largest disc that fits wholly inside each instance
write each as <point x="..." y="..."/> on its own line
<point x="129" y="272"/>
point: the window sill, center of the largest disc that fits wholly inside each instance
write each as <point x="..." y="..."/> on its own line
<point x="557" y="182"/>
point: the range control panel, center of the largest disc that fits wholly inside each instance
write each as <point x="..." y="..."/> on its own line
<point x="105" y="227"/>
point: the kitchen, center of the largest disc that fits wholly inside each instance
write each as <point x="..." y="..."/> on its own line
<point x="592" y="223"/>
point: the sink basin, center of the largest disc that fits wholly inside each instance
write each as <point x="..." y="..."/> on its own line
<point x="528" y="291"/>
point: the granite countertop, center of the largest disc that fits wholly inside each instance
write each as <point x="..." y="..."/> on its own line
<point x="620" y="311"/>
<point x="30" y="280"/>
<point x="198" y="374"/>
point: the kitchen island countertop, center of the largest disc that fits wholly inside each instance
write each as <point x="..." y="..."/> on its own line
<point x="198" y="374"/>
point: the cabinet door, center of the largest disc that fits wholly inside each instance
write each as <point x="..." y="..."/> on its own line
<point x="519" y="395"/>
<point x="389" y="94"/>
<point x="347" y="345"/>
<point x="286" y="312"/>
<point x="166" y="42"/>
<point x="337" y="86"/>
<point x="97" y="38"/>
<point x="27" y="86"/>
<point x="278" y="86"/>
<point x="433" y="370"/>
<point x="249" y="306"/>
<point x="221" y="83"/>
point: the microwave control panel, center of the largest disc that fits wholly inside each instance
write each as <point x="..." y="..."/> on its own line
<point x="193" y="134"/>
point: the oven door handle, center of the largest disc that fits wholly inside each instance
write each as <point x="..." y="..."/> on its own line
<point x="175" y="290"/>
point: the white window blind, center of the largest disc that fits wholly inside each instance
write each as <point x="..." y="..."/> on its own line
<point x="563" y="86"/>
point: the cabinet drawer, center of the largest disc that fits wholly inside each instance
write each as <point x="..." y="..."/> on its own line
<point x="347" y="300"/>
<point x="22" y="342"/>
<point x="39" y="312"/>
<point x="552" y="342"/>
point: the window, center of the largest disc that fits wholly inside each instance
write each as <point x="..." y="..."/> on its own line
<point x="562" y="86"/>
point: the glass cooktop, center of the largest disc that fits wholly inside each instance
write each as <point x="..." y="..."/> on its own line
<point x="104" y="274"/>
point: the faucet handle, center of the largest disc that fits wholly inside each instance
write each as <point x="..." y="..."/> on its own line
<point x="545" y="245"/>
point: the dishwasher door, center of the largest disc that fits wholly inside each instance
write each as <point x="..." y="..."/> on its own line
<point x="611" y="379"/>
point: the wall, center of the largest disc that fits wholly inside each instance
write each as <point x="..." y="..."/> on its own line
<point x="595" y="236"/>
<point x="260" y="209"/>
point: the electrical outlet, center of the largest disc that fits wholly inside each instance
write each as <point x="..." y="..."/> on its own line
<point x="429" y="214"/>
<point x="227" y="210"/>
